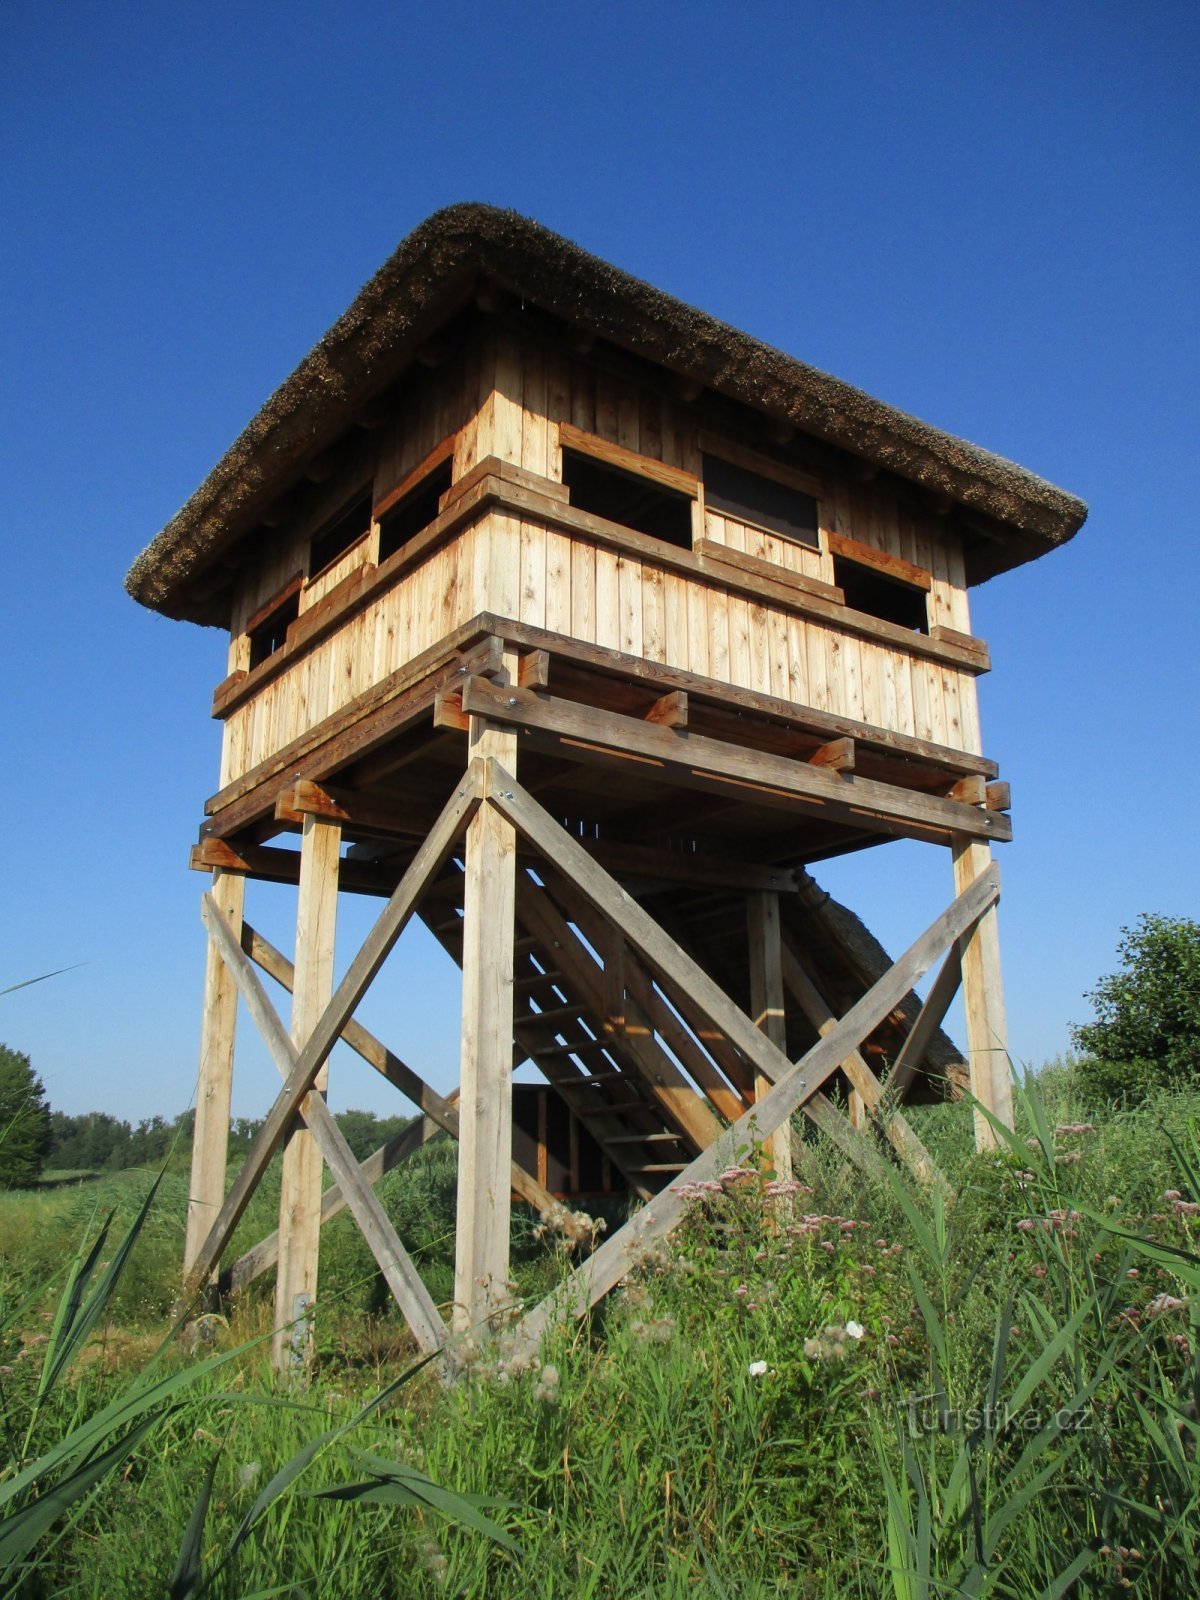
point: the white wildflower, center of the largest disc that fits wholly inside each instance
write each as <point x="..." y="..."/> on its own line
<point x="757" y="1369"/>
<point x="855" y="1329"/>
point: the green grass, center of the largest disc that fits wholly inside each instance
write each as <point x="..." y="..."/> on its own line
<point x="1017" y="1418"/>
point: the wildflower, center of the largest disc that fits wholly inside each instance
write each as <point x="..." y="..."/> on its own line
<point x="434" y="1561"/>
<point x="891" y="1339"/>
<point x="1069" y="1129"/>
<point x="1133" y="1273"/>
<point x="881" y="1244"/>
<point x="546" y="1388"/>
<point x="1172" y="1194"/>
<point x="757" y="1369"/>
<point x="855" y="1329"/>
<point x="1164" y="1302"/>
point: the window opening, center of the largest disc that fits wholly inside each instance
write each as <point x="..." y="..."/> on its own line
<point x="890" y="599"/>
<point x="337" y="536"/>
<point x="624" y="497"/>
<point x="747" y="497"/>
<point x="415" y="511"/>
<point x="271" y="633"/>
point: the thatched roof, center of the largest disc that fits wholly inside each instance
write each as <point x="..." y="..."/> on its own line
<point x="435" y="271"/>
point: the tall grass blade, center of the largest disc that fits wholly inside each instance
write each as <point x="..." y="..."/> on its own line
<point x="21" y="1529"/>
<point x="189" y="1568"/>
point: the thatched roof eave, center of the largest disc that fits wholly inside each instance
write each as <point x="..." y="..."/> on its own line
<point x="427" y="280"/>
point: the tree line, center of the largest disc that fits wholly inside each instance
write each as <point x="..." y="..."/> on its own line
<point x="95" y="1141"/>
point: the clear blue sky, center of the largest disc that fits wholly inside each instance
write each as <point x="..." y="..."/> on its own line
<point x="984" y="214"/>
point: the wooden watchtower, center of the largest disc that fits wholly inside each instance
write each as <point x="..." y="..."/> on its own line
<point x="589" y="624"/>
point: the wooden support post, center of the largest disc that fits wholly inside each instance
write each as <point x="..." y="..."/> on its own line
<point x="767" y="1007"/>
<point x="983" y="998"/>
<point x="485" y="1109"/>
<point x="300" y="1189"/>
<point x="210" y="1138"/>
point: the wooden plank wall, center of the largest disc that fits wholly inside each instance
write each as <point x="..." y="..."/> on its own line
<point x="506" y="402"/>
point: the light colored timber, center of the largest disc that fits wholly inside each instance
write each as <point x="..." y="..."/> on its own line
<point x="765" y="947"/>
<point x="837" y="755"/>
<point x="796" y="1083"/>
<point x="999" y="796"/>
<point x="430" y="857"/>
<point x="441" y="1112"/>
<point x="709" y="691"/>
<point x="615" y="455"/>
<point x="214" y="1083"/>
<point x="699" y="761"/>
<point x="670" y="710"/>
<point x="983" y="1000"/>
<point x="724" y="555"/>
<point x="300" y="1182"/>
<point x="485" y="1120"/>
<point x="863" y="1081"/>
<point x="402" y="1278"/>
<point x="891" y="566"/>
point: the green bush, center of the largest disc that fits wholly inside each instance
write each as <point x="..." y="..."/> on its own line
<point x="24" y="1121"/>
<point x="1147" y="1027"/>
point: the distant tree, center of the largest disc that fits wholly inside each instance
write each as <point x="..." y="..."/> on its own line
<point x="24" y="1120"/>
<point x="1147" y="1027"/>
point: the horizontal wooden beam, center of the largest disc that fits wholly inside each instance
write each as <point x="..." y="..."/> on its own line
<point x="670" y="710"/>
<point x="605" y="662"/>
<point x="692" y="867"/>
<point x="699" y="762"/>
<point x="272" y="864"/>
<point x="891" y="566"/>
<point x="837" y="755"/>
<point x="723" y="555"/>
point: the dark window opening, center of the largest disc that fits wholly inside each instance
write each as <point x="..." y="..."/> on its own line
<point x="337" y="536"/>
<point x="271" y="634"/>
<point x="879" y="596"/>
<point x="624" y="497"/>
<point x="416" y="511"/>
<point x="734" y="492"/>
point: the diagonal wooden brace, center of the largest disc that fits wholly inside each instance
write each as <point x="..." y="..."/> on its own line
<point x="440" y="1111"/>
<point x="394" y="918"/>
<point x="929" y="1019"/>
<point x="894" y="1126"/>
<point x="590" y="1282"/>
<point x="394" y="1261"/>
<point x="261" y="1257"/>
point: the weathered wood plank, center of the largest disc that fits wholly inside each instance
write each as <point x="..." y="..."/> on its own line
<point x="485" y="1117"/>
<point x="300" y="1180"/>
<point x="214" y="1083"/>
<point x="765" y="947"/>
